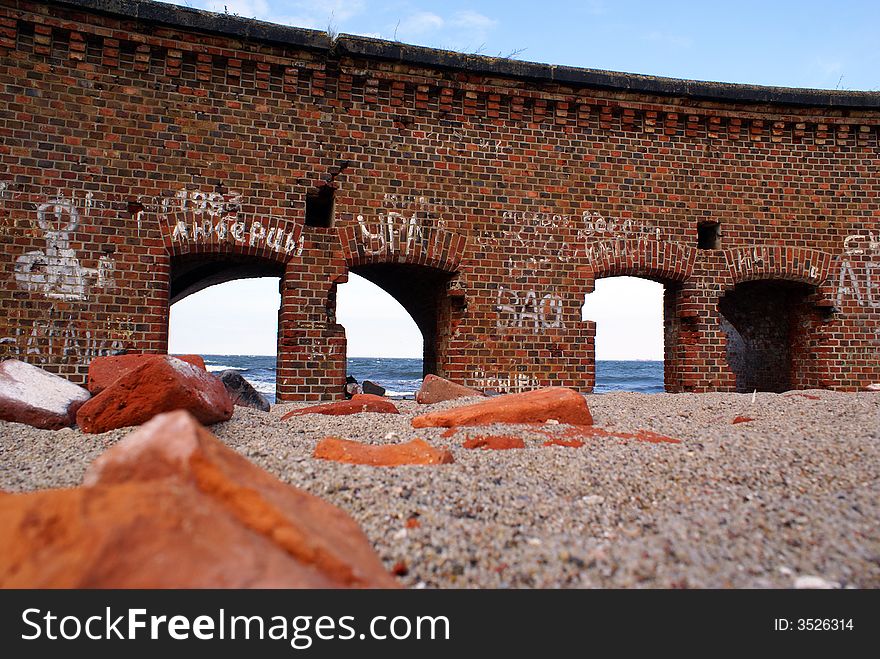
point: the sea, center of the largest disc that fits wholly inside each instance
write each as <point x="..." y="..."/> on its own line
<point x="402" y="377"/>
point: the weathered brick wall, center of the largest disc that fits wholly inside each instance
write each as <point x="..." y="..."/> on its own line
<point x="141" y="159"/>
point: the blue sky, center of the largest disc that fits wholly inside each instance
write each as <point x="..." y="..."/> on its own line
<point x="792" y="44"/>
<point x="796" y="44"/>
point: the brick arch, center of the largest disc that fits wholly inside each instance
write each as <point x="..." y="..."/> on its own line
<point x="669" y="263"/>
<point x="756" y="262"/>
<point x="401" y="240"/>
<point x="773" y="313"/>
<point x="649" y="258"/>
<point x="265" y="237"/>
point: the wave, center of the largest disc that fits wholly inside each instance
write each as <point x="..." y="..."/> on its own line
<point x="402" y="377"/>
<point x="398" y="394"/>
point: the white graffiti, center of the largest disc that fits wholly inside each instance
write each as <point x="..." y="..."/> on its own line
<point x="416" y="203"/>
<point x="750" y="258"/>
<point x="529" y="309"/>
<point x="710" y="286"/>
<point x="614" y="248"/>
<point x="49" y="340"/>
<point x="57" y="272"/>
<point x="394" y="232"/>
<point x="505" y="383"/>
<point x="861" y="244"/>
<point x="860" y="281"/>
<point x="319" y="349"/>
<point x="213" y="204"/>
<point x="545" y="234"/>
<point x="205" y="230"/>
<point x="587" y="224"/>
<point x="460" y="142"/>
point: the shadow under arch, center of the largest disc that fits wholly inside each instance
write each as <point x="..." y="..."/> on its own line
<point x="193" y="272"/>
<point x="771" y="328"/>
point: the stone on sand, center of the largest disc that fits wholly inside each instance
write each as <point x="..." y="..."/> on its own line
<point x="370" y="387"/>
<point x="30" y="395"/>
<point x="415" y="452"/>
<point x="358" y="403"/>
<point x="435" y="389"/>
<point x="494" y="442"/>
<point x="171" y="506"/>
<point x="158" y="385"/>
<point x="104" y="371"/>
<point x="553" y="403"/>
<point x="241" y="391"/>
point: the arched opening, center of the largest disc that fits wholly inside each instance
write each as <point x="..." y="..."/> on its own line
<point x="631" y="330"/>
<point x="768" y="327"/>
<point x="393" y="312"/>
<point x="225" y="308"/>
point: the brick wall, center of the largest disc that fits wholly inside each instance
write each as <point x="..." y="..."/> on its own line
<point x="141" y="159"/>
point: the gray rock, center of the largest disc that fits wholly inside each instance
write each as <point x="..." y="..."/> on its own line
<point x="352" y="387"/>
<point x="372" y="388"/>
<point x="242" y="392"/>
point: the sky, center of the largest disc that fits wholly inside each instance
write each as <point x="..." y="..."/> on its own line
<point x="792" y="44"/>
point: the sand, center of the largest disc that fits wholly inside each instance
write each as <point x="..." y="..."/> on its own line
<point x="789" y="499"/>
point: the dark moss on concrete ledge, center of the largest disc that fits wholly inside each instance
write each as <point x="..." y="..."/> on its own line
<point x="356" y="46"/>
<point x="207" y="21"/>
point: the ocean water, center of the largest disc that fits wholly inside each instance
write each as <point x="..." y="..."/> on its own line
<point x="402" y="377"/>
<point x="642" y="376"/>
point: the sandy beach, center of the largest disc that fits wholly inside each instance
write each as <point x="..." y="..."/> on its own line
<point x="794" y="493"/>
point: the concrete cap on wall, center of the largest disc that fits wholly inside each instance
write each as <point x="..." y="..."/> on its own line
<point x="358" y="46"/>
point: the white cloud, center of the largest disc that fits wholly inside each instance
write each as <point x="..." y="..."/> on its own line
<point x="829" y="66"/>
<point x="316" y="14"/>
<point x="472" y="20"/>
<point x="669" y="39"/>
<point x="420" y="23"/>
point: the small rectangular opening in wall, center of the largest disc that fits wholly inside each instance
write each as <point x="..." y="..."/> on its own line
<point x="319" y="207"/>
<point x="709" y="235"/>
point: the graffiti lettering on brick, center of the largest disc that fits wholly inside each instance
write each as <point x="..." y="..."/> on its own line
<point x="430" y="205"/>
<point x="859" y="281"/>
<point x="512" y="383"/>
<point x="56" y="272"/>
<point x="206" y="229"/>
<point x="395" y="233"/>
<point x="213" y="204"/>
<point x="61" y="338"/>
<point x="528" y="309"/>
<point x="546" y="233"/>
<point x="459" y="142"/>
<point x="859" y="243"/>
<point x="614" y="248"/>
<point x="587" y="224"/>
<point x="318" y="349"/>
<point x="749" y="261"/>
